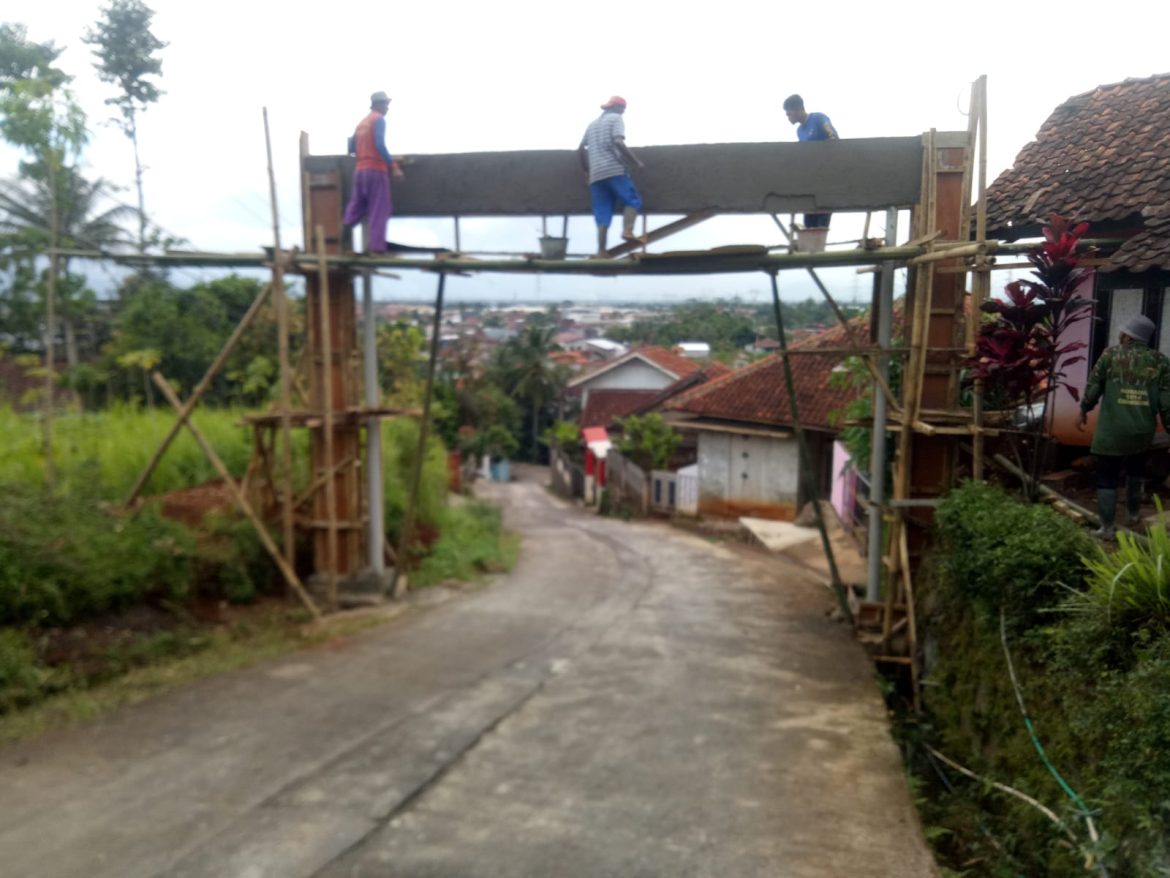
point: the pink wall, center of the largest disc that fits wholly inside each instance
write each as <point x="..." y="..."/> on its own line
<point x="844" y="483"/>
<point x="1067" y="409"/>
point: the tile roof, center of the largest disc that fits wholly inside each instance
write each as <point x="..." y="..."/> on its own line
<point x="1102" y="156"/>
<point x="607" y="404"/>
<point x="1149" y="248"/>
<point x="757" y="393"/>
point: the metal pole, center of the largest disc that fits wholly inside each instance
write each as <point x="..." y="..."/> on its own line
<point x="877" y="459"/>
<point x="377" y="529"/>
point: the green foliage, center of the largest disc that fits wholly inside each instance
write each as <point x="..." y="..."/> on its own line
<point x="522" y="368"/>
<point x="101" y="454"/>
<point x="399" y="444"/>
<point x="20" y="676"/>
<point x="231" y="561"/>
<point x="125" y="51"/>
<point x="400" y="363"/>
<point x="648" y="440"/>
<point x="858" y="440"/>
<point x="1003" y="553"/>
<point x="1097" y="687"/>
<point x="62" y="559"/>
<point x="471" y="542"/>
<point x="1131" y="586"/>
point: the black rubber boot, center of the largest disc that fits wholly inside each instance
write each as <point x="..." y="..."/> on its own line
<point x="1135" y="490"/>
<point x="1107" y="510"/>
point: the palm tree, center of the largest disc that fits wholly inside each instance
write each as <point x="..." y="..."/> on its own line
<point x="530" y="376"/>
<point x="85" y="222"/>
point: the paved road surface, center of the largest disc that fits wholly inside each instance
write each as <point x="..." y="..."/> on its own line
<point x="630" y="701"/>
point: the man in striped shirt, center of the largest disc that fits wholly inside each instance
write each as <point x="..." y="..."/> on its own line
<point x="604" y="154"/>
<point x="370" y="198"/>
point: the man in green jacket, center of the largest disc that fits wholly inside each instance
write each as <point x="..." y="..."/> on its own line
<point x="1132" y="383"/>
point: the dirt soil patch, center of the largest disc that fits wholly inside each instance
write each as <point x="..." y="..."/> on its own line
<point x="191" y="505"/>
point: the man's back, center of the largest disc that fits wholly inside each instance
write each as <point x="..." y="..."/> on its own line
<point x="604" y="159"/>
<point x="816" y="127"/>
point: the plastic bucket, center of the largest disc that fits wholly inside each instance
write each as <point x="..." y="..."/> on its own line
<point x="553" y="248"/>
<point x="811" y="240"/>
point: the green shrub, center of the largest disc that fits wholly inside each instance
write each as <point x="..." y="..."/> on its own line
<point x="399" y="445"/>
<point x="1000" y="552"/>
<point x="1130" y="587"/>
<point x="471" y="542"/>
<point x="20" y="678"/>
<point x="62" y="559"/>
<point x="231" y="561"/>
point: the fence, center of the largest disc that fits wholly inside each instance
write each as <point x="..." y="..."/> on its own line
<point x="627" y="484"/>
<point x="675" y="493"/>
<point x="568" y="478"/>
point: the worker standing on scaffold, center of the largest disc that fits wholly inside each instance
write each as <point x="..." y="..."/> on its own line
<point x="370" y="198"/>
<point x="810" y="126"/>
<point x="603" y="154"/>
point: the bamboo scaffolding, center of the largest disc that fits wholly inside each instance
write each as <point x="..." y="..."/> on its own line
<point x="870" y="367"/>
<point x="273" y="550"/>
<point x="201" y="388"/>
<point x="327" y="410"/>
<point x="281" y="297"/>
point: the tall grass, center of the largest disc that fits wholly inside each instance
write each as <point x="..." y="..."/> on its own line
<point x="103" y="452"/>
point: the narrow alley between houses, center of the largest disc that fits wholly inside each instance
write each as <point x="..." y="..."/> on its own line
<point x="632" y="700"/>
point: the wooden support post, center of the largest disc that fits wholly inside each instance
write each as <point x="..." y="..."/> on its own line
<point x="327" y="414"/>
<point x="197" y="394"/>
<point x="273" y="550"/>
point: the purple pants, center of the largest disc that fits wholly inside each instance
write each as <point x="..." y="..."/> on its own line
<point x="370" y="200"/>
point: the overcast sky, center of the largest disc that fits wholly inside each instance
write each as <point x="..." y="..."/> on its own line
<point x="477" y="76"/>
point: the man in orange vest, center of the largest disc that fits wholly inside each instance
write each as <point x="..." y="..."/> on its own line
<point x="370" y="198"/>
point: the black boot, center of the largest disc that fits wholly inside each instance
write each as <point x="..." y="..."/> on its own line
<point x="1134" y="493"/>
<point x="1107" y="510"/>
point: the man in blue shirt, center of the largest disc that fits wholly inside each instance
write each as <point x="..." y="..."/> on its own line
<point x="810" y="126"/>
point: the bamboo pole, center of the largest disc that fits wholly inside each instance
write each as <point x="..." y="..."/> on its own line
<point x="397" y="583"/>
<point x="981" y="287"/>
<point x="281" y="295"/>
<point x="326" y="340"/>
<point x="197" y="394"/>
<point x="839" y="588"/>
<point x="286" y="569"/>
<point x="51" y="328"/>
<point x="878" y="379"/>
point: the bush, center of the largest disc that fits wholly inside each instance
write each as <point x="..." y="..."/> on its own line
<point x="471" y="542"/>
<point x="1130" y="587"/>
<point x="1001" y="553"/>
<point x="63" y="559"/>
<point x="20" y="678"/>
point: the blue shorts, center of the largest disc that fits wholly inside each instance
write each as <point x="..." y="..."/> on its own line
<point x="606" y="193"/>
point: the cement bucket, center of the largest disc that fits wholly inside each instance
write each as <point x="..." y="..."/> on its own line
<point x="553" y="248"/>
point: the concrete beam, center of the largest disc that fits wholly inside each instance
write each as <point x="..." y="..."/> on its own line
<point x="859" y="174"/>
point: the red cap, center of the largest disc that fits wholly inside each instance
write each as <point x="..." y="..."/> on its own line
<point x="615" y="101"/>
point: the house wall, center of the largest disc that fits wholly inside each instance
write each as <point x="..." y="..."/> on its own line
<point x="634" y="375"/>
<point x="748" y="475"/>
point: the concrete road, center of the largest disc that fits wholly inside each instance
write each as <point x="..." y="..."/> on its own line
<point x="630" y="701"/>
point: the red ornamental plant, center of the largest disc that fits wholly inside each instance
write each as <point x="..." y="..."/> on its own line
<point x="1019" y="356"/>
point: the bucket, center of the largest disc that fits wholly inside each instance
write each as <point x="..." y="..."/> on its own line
<point x="811" y="240"/>
<point x="553" y="248"/>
